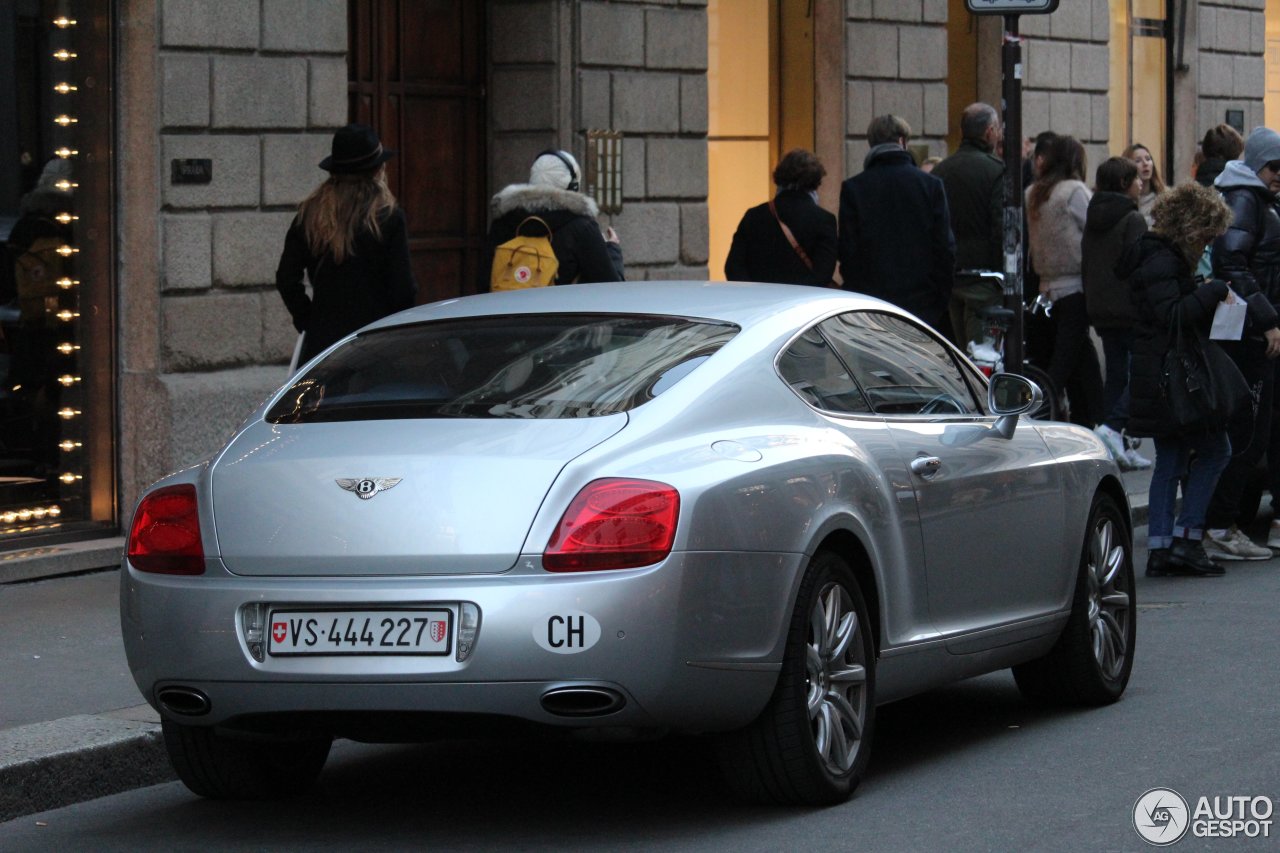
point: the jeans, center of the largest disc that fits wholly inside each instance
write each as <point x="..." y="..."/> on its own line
<point x="1117" y="344"/>
<point x="1174" y="461"/>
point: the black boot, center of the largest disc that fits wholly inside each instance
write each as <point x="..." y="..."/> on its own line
<point x="1158" y="563"/>
<point x="1187" y="557"/>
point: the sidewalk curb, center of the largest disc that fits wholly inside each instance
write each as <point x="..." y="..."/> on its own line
<point x="49" y="765"/>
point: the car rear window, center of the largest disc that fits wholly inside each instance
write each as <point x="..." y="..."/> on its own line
<point x="526" y="366"/>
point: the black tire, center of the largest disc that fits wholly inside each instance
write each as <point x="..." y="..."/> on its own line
<point x="225" y="768"/>
<point x="1091" y="662"/>
<point x="1049" y="409"/>
<point x="811" y="743"/>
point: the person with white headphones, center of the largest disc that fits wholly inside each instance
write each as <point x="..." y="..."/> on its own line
<point x="585" y="253"/>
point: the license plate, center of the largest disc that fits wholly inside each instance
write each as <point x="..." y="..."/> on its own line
<point x="360" y="632"/>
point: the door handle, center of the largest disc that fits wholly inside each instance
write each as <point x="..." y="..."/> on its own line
<point x="926" y="466"/>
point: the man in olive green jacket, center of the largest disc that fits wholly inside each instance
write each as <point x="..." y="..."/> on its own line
<point x="974" y="180"/>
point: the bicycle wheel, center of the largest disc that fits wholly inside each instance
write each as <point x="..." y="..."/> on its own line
<point x="1049" y="409"/>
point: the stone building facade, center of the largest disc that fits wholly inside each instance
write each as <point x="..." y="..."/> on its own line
<point x="257" y="88"/>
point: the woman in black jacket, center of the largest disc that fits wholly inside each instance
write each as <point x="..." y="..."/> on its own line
<point x="762" y="247"/>
<point x="1111" y="225"/>
<point x="1159" y="269"/>
<point x="351" y="241"/>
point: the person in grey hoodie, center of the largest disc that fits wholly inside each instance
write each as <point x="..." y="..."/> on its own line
<point x="1247" y="257"/>
<point x="1112" y="223"/>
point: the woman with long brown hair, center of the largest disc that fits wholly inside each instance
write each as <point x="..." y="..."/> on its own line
<point x="1057" y="207"/>
<point x="351" y="242"/>
<point x="1152" y="186"/>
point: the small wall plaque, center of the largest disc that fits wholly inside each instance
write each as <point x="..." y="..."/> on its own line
<point x="192" y="171"/>
<point x="1235" y="118"/>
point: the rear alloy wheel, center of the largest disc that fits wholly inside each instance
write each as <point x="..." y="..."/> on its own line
<point x="226" y="768"/>
<point x="811" y="743"/>
<point x="1091" y="662"/>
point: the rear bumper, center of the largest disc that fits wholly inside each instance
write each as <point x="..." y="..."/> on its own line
<point x="692" y="644"/>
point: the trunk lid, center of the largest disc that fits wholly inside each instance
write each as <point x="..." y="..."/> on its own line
<point x="467" y="492"/>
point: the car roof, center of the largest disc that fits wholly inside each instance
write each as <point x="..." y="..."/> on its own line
<point x="742" y="303"/>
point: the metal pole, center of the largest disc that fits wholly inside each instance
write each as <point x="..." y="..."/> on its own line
<point x="1011" y="71"/>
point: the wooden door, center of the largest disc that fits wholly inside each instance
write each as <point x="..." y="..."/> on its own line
<point x="416" y="75"/>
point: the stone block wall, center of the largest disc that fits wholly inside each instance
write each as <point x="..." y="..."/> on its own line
<point x="1231" y="45"/>
<point x="256" y="87"/>
<point x="1067" y="62"/>
<point x="635" y="67"/>
<point x="895" y="62"/>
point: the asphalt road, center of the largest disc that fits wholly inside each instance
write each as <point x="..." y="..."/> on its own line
<point x="970" y="767"/>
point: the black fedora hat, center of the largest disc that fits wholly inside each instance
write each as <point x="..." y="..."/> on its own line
<point x="356" y="148"/>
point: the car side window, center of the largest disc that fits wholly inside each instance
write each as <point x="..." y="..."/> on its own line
<point x="814" y="372"/>
<point x="903" y="368"/>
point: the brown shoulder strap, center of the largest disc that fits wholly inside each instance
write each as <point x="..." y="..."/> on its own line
<point x="791" y="238"/>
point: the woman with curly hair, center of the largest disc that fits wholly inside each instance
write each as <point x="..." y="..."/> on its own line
<point x="1057" y="208"/>
<point x="789" y="239"/>
<point x="351" y="242"/>
<point x="1152" y="186"/>
<point x="1159" y="267"/>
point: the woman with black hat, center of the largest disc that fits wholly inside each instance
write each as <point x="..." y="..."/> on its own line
<point x="351" y="241"/>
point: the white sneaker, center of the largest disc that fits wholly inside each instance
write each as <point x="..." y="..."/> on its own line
<point x="1273" y="540"/>
<point x="1114" y="442"/>
<point x="1135" y="461"/>
<point x="1234" y="545"/>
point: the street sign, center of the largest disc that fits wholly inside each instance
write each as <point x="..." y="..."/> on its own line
<point x="1011" y="7"/>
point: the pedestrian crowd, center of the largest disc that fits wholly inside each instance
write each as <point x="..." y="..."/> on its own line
<point x="1157" y="273"/>
<point x="1180" y="285"/>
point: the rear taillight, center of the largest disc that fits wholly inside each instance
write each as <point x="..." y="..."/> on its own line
<point x="165" y="536"/>
<point x="614" y="524"/>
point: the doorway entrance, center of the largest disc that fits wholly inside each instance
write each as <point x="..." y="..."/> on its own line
<point x="760" y="104"/>
<point x="416" y="71"/>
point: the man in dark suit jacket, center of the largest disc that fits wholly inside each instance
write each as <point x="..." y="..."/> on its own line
<point x="895" y="238"/>
<point x="762" y="250"/>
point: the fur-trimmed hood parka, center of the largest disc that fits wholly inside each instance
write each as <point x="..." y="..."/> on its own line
<point x="582" y="252"/>
<point x="1161" y="279"/>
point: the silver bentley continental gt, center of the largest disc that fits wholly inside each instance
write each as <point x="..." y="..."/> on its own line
<point x="751" y="512"/>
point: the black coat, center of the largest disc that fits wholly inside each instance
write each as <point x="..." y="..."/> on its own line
<point x="761" y="252"/>
<point x="376" y="280"/>
<point x="1160" y="278"/>
<point x="895" y="235"/>
<point x="580" y="249"/>
<point x="974" y="180"/>
<point x="1248" y="254"/>
<point x="1113" y="222"/>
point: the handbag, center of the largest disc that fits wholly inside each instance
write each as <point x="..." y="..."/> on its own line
<point x="1201" y="384"/>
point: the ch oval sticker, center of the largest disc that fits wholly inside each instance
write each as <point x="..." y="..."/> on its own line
<point x="566" y="632"/>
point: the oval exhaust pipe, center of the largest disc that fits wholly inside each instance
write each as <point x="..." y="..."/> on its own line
<point x="184" y="701"/>
<point x="582" y="701"/>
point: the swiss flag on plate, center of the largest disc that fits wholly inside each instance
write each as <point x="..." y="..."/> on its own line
<point x="278" y="631"/>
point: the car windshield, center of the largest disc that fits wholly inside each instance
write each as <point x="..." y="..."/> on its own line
<point x="520" y="366"/>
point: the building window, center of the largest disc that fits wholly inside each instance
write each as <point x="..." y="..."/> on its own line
<point x="57" y="472"/>
<point x="1139" y="92"/>
<point x="760" y="104"/>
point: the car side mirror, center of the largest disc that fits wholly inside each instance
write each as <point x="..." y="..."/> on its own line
<point x="1011" y="394"/>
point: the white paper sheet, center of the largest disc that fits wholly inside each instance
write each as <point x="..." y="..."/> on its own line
<point x="1228" y="319"/>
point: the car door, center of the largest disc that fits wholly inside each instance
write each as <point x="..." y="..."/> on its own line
<point x="991" y="509"/>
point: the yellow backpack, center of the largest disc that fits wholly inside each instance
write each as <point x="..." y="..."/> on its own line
<point x="524" y="260"/>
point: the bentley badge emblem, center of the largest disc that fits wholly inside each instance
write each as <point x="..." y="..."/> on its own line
<point x="366" y="487"/>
